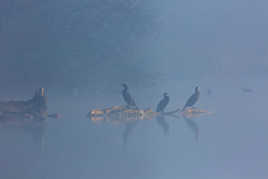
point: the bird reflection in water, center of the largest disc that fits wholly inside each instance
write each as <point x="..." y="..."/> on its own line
<point x="128" y="130"/>
<point x="130" y="118"/>
<point x="193" y="126"/>
<point x="130" y="114"/>
<point x="163" y="123"/>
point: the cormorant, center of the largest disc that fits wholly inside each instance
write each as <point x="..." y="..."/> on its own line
<point x="163" y="103"/>
<point x="127" y="97"/>
<point x="193" y="99"/>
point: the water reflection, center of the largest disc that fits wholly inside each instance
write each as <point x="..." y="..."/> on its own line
<point x="29" y="116"/>
<point x="193" y="126"/>
<point x="128" y="130"/>
<point x="161" y="121"/>
<point x="130" y="117"/>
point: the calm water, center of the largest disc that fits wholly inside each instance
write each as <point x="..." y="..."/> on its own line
<point x="231" y="141"/>
<point x="82" y="51"/>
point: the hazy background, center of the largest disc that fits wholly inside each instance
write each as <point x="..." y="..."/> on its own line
<point x="81" y="51"/>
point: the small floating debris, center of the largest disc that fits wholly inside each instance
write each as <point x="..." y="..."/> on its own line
<point x="247" y="90"/>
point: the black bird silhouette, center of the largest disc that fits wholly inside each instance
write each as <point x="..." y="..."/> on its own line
<point x="193" y="99"/>
<point x="160" y="108"/>
<point x="127" y="97"/>
<point x="163" y="103"/>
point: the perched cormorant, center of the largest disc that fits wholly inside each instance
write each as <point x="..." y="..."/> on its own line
<point x="127" y="97"/>
<point x="163" y="103"/>
<point x="193" y="99"/>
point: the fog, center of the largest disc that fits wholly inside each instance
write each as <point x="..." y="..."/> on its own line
<point x="82" y="51"/>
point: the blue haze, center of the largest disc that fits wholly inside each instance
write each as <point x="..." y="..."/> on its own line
<point x="82" y="51"/>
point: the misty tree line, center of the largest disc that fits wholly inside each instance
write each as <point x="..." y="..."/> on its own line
<point x="68" y="42"/>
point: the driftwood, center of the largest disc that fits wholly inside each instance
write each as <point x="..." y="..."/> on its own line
<point x="28" y="112"/>
<point x="29" y="116"/>
<point x="130" y="117"/>
<point x="122" y="114"/>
